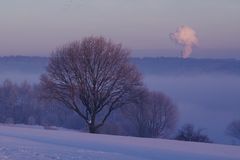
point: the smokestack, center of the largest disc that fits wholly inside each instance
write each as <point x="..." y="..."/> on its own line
<point x="186" y="37"/>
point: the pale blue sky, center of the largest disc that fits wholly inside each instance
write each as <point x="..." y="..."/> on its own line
<point x="32" y="27"/>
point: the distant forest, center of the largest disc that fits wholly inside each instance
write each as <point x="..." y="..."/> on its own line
<point x="160" y="65"/>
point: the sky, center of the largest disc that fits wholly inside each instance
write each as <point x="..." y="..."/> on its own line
<point x="33" y="27"/>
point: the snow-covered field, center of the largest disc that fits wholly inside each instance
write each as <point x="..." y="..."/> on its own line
<point x="36" y="143"/>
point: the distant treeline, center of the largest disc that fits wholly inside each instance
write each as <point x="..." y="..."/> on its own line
<point x="171" y="66"/>
<point x="160" y="65"/>
<point x="21" y="104"/>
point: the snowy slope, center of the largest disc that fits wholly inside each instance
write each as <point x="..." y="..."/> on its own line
<point x="27" y="143"/>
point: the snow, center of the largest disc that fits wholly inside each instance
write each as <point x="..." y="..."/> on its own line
<point x="36" y="143"/>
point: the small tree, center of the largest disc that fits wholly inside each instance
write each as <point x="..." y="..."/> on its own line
<point x="188" y="133"/>
<point x="153" y="115"/>
<point x="233" y="129"/>
<point x="92" y="77"/>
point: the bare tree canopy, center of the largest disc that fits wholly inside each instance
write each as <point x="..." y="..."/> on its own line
<point x="233" y="129"/>
<point x="92" y="77"/>
<point x="153" y="115"/>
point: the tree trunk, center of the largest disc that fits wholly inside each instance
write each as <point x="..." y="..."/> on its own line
<point x="92" y="128"/>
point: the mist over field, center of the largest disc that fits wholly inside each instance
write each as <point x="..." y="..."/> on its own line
<point x="206" y="91"/>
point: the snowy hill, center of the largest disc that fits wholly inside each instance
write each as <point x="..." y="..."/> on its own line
<point x="36" y="143"/>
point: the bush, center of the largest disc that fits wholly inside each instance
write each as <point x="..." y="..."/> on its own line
<point x="188" y="133"/>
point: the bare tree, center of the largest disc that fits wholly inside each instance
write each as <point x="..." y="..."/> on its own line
<point x="153" y="115"/>
<point x="15" y="102"/>
<point x="92" y="77"/>
<point x="162" y="115"/>
<point x="188" y="133"/>
<point x="8" y="99"/>
<point x="233" y="129"/>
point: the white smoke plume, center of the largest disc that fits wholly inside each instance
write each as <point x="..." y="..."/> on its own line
<point x="186" y="37"/>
